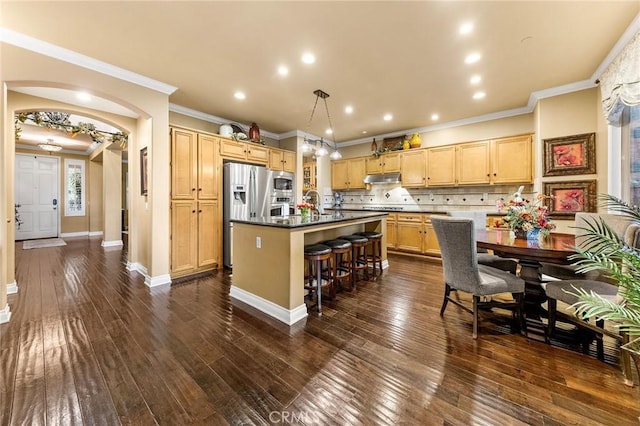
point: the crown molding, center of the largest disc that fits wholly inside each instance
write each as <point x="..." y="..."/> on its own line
<point x="51" y="50"/>
<point x="214" y="119"/>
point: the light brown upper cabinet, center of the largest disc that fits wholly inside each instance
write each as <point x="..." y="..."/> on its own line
<point x="441" y="166"/>
<point x="348" y="174"/>
<point x="511" y="160"/>
<point x="386" y="163"/>
<point x="282" y="160"/>
<point x="473" y="163"/>
<point x="247" y="151"/>
<point x="414" y="168"/>
<point x="193" y="166"/>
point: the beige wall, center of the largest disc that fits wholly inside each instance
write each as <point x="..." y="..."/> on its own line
<point x="565" y="115"/>
<point x="96" y="216"/>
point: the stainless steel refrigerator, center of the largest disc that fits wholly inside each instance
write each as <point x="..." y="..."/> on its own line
<point x="245" y="196"/>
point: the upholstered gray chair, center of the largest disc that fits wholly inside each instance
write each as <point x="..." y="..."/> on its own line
<point x="457" y="240"/>
<point x="564" y="290"/>
<point x="484" y="257"/>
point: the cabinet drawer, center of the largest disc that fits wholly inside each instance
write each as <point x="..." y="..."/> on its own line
<point x="410" y="217"/>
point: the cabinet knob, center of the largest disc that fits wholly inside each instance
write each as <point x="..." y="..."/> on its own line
<point x="495" y="174"/>
<point x="199" y="211"/>
<point x="193" y="211"/>
<point x="199" y="189"/>
<point x="193" y="189"/>
<point x="488" y="175"/>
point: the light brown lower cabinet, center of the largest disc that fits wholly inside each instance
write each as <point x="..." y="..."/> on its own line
<point x="414" y="234"/>
<point x="195" y="243"/>
<point x="392" y="238"/>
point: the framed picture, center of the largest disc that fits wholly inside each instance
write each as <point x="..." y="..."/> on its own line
<point x="570" y="155"/>
<point x="569" y="198"/>
<point x="144" y="179"/>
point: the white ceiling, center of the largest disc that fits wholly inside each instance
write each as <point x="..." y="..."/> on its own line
<point x="403" y="58"/>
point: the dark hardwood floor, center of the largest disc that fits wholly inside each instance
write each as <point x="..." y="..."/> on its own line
<point x="89" y="343"/>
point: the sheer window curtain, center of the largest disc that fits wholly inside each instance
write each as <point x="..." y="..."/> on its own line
<point x="620" y="82"/>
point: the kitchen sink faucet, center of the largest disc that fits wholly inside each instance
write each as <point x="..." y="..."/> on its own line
<point x="318" y="199"/>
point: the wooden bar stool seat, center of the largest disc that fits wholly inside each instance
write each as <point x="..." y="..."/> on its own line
<point x="374" y="257"/>
<point x="316" y="255"/>
<point x="358" y="257"/>
<point x="342" y="268"/>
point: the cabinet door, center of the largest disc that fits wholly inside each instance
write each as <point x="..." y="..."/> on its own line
<point x="473" y="163"/>
<point x="339" y="174"/>
<point x="183" y="236"/>
<point x="257" y="154"/>
<point x="357" y="172"/>
<point x="409" y="236"/>
<point x="289" y="161"/>
<point x="183" y="164"/>
<point x="430" y="239"/>
<point x="391" y="231"/>
<point x="207" y="168"/>
<point x="373" y="165"/>
<point x="441" y="170"/>
<point x="208" y="233"/>
<point x="414" y="168"/>
<point x="512" y="160"/>
<point x="391" y="162"/>
<point x="275" y="159"/>
<point x="233" y="149"/>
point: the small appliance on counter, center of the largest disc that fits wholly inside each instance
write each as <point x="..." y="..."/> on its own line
<point x="337" y="201"/>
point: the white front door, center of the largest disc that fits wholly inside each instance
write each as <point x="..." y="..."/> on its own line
<point x="36" y="194"/>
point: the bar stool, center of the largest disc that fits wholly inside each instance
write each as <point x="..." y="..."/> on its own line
<point x="316" y="255"/>
<point x="341" y="253"/>
<point x="358" y="257"/>
<point x="375" y="238"/>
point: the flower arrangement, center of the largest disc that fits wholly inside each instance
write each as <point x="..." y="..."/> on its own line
<point x="526" y="216"/>
<point x="305" y="208"/>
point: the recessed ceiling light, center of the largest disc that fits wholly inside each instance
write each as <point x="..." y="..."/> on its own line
<point x="308" y="58"/>
<point x="83" y="96"/>
<point x="364" y="132"/>
<point x="239" y="95"/>
<point x="348" y="109"/>
<point x="476" y="79"/>
<point x="435" y="117"/>
<point x="479" y="95"/>
<point x="388" y="117"/>
<point x="472" y="58"/>
<point x="328" y="131"/>
<point x="466" y="28"/>
<point x="283" y="70"/>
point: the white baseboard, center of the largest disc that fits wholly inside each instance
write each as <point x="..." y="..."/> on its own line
<point x="137" y="267"/>
<point x="5" y="314"/>
<point x="113" y="243"/>
<point x="157" y="280"/>
<point x="96" y="233"/>
<point x="12" y="288"/>
<point x="74" y="234"/>
<point x="385" y="264"/>
<point x="287" y="316"/>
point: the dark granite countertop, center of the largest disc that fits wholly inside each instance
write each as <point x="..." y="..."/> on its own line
<point x="489" y="213"/>
<point x="296" y="221"/>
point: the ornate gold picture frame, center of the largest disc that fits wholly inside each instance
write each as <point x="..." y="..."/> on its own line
<point x="570" y="155"/>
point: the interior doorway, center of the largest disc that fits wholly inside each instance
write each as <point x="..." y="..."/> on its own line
<point x="37" y="181"/>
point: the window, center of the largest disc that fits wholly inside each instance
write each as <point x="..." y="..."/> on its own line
<point x="74" y="187"/>
<point x="631" y="130"/>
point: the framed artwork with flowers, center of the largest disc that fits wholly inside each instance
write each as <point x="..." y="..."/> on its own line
<point x="570" y="155"/>
<point x="565" y="199"/>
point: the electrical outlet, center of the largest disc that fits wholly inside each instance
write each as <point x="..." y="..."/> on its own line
<point x="258" y="242"/>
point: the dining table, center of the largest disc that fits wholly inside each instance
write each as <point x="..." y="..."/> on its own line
<point x="530" y="254"/>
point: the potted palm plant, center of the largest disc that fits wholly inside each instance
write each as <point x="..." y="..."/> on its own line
<point x="603" y="249"/>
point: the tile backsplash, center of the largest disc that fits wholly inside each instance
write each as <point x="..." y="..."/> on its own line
<point x="481" y="198"/>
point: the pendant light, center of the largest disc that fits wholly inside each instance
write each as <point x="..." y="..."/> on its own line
<point x="319" y="146"/>
<point x="50" y="146"/>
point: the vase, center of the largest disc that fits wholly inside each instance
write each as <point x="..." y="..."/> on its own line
<point x="521" y="234"/>
<point x="304" y="214"/>
<point x="254" y="133"/>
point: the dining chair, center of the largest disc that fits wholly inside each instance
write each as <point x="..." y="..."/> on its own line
<point x="564" y="292"/>
<point x="484" y="257"/>
<point x="551" y="271"/>
<point x="457" y="240"/>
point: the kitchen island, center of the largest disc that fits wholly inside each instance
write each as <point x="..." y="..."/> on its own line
<point x="268" y="257"/>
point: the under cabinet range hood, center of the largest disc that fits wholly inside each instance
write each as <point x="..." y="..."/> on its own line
<point x="383" y="178"/>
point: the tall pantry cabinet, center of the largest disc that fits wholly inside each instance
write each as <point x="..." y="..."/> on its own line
<point x="195" y="204"/>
